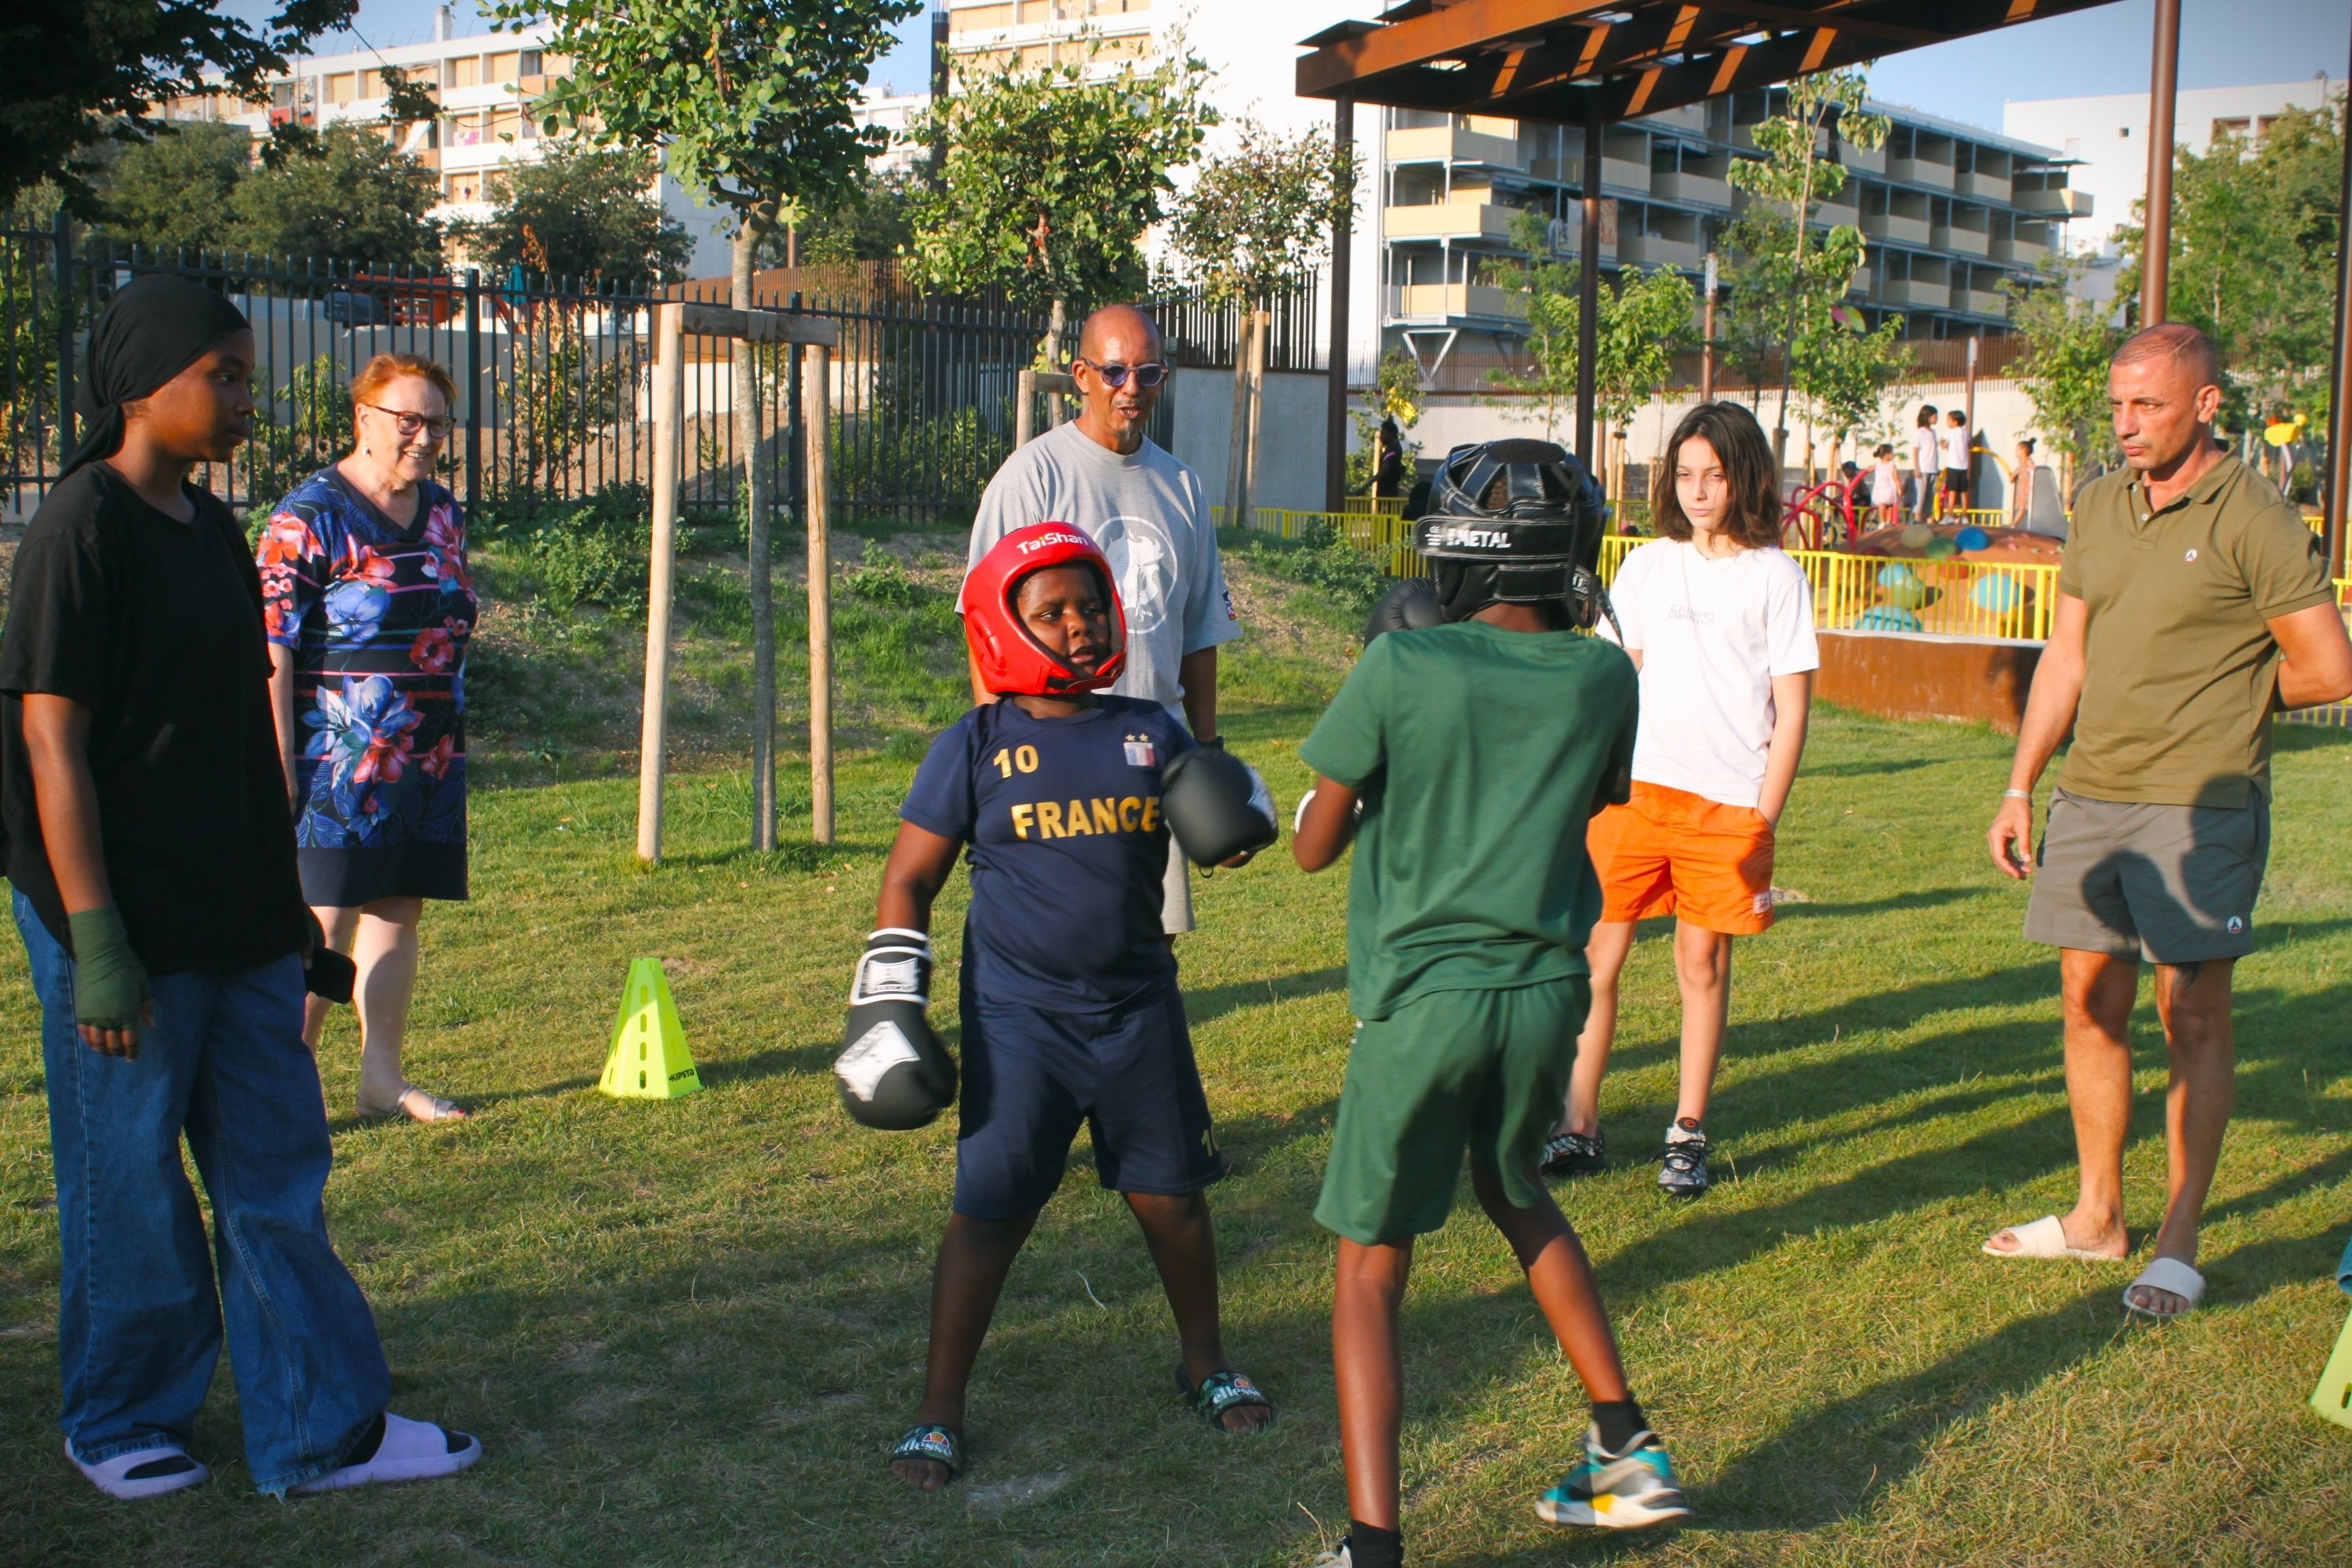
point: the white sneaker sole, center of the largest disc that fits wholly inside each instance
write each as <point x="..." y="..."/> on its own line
<point x="1608" y="1511"/>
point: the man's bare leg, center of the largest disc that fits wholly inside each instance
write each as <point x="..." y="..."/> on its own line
<point x="2098" y="990"/>
<point x="2193" y="999"/>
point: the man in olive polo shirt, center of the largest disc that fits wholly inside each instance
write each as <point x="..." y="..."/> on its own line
<point x="2192" y="603"/>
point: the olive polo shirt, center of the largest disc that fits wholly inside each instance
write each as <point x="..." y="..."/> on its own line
<point x="2181" y="670"/>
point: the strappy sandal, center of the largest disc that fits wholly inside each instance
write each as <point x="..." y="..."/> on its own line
<point x="1222" y="1391"/>
<point x="439" y="1109"/>
<point x="942" y="1445"/>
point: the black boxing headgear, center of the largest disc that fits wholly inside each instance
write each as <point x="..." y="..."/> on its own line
<point x="1515" y="522"/>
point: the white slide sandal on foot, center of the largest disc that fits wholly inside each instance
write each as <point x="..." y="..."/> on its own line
<point x="149" y="1472"/>
<point x="2040" y="1240"/>
<point x="2172" y="1275"/>
<point x="409" y="1451"/>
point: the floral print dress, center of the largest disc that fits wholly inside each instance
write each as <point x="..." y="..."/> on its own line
<point x="379" y="615"/>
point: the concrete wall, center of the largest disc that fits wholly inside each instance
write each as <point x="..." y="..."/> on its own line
<point x="1290" y="434"/>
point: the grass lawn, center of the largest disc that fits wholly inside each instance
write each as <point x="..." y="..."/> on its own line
<point x="687" y="1332"/>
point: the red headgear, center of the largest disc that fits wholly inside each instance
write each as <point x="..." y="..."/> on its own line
<point x="1011" y="660"/>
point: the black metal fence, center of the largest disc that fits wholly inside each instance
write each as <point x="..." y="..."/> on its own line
<point x="553" y="377"/>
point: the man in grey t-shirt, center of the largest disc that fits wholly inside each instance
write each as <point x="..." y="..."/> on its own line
<point x="1147" y="510"/>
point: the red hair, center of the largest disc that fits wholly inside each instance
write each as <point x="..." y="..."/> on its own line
<point x="384" y="369"/>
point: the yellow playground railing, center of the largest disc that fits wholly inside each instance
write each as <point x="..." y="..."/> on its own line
<point x="1875" y="594"/>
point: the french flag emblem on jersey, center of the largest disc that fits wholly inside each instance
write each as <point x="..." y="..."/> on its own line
<point x="1140" y="753"/>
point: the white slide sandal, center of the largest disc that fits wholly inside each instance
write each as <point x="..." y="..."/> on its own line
<point x="409" y="1451"/>
<point x="2042" y="1239"/>
<point x="167" y="1465"/>
<point x="2169" y="1274"/>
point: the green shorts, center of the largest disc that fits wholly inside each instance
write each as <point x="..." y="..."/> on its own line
<point x="1448" y="1070"/>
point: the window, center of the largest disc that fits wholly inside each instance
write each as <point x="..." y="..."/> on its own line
<point x="2123" y="131"/>
<point x="532" y="62"/>
<point x="462" y="187"/>
<point x="342" y="88"/>
<point x="506" y="66"/>
<point x="465" y="71"/>
<point x="2237" y="127"/>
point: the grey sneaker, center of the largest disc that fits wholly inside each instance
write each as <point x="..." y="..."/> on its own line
<point x="1574" y="1155"/>
<point x="1684" y="1161"/>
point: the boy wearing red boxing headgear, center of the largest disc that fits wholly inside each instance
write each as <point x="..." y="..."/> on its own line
<point x="1068" y="997"/>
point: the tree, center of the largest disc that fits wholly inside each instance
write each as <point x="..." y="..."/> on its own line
<point x="579" y="211"/>
<point x="1797" y="283"/>
<point x="1396" y="394"/>
<point x="1845" y="369"/>
<point x="173" y="192"/>
<point x="1645" y="319"/>
<point x="2069" y="342"/>
<point x="2254" y="230"/>
<point x="871" y="223"/>
<point x="1050" y="180"/>
<point x="753" y="104"/>
<point x="84" y="72"/>
<point x="1256" y="219"/>
<point x="353" y="198"/>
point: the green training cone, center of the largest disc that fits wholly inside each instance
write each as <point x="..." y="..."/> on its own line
<point x="2333" y="1397"/>
<point x="648" y="1059"/>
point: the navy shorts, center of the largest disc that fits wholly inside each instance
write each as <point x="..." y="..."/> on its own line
<point x="1030" y="1078"/>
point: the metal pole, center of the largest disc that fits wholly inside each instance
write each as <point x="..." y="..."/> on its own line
<point x="670" y="435"/>
<point x="473" y="408"/>
<point x="2337" y="484"/>
<point x="2156" y="250"/>
<point x="1335" y="400"/>
<point x="1237" y="438"/>
<point x="818" y="417"/>
<point x="1706" y="338"/>
<point x="1588" y="282"/>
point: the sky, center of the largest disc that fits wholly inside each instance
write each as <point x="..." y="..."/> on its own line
<point x="2223" y="42"/>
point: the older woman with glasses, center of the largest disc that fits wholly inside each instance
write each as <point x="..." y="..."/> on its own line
<point x="369" y="607"/>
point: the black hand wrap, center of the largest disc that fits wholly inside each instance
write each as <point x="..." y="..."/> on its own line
<point x="894" y="1073"/>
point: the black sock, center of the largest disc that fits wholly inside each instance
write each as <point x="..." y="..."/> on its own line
<point x="369" y="1441"/>
<point x="1369" y="1546"/>
<point x="1620" y="1420"/>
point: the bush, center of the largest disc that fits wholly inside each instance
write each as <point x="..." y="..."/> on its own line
<point x="597" y="550"/>
<point x="1317" y="557"/>
<point x="880" y="579"/>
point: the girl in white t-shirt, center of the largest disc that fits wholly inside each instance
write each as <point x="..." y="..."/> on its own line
<point x="1720" y="621"/>
<point x="1886" y="487"/>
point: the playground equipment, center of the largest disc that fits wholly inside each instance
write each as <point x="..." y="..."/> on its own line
<point x="1822" y="515"/>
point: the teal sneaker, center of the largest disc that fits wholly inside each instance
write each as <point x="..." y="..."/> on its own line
<point x="1630" y="1490"/>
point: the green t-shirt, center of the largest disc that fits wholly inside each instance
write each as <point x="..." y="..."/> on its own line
<point x="1478" y="752"/>
<point x="2182" y="667"/>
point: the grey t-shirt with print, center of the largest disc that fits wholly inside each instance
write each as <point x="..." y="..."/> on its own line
<point x="1148" y="514"/>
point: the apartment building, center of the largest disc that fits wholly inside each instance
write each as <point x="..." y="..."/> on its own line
<point x="2104" y="137"/>
<point x="1950" y="211"/>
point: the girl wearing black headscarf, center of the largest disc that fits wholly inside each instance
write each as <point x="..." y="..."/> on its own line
<point x="151" y="855"/>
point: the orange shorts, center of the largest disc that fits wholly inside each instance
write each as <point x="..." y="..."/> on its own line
<point x="1670" y="852"/>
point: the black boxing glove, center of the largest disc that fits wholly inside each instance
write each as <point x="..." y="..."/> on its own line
<point x="894" y="1074"/>
<point x="1216" y="805"/>
<point x="1410" y="604"/>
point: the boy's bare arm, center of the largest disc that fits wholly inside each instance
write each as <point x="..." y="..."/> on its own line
<point x="917" y="868"/>
<point x="1324" y="826"/>
<point x="1792" y="702"/>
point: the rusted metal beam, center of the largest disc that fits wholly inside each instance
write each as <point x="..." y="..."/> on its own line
<point x="1471" y="26"/>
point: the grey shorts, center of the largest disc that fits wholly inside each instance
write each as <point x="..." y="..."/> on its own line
<point x="2172" y="884"/>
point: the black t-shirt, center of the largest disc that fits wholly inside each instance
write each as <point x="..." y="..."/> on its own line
<point x="154" y="625"/>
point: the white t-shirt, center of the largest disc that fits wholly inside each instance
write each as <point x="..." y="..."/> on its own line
<point x="1712" y="634"/>
<point x="1923" y="451"/>
<point x="1886" y="484"/>
<point x="1147" y="512"/>
<point x="1953" y="442"/>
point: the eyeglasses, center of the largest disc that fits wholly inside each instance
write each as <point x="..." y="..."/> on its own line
<point x="410" y="424"/>
<point x="1114" y="375"/>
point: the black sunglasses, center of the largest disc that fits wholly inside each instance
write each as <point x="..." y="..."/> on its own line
<point x="1114" y="375"/>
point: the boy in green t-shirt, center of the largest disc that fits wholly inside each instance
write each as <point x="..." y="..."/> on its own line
<point x="1466" y="759"/>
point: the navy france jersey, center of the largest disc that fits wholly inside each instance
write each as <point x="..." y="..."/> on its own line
<point x="1068" y="851"/>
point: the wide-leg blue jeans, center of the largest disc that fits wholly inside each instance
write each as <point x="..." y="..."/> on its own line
<point x="140" y="1314"/>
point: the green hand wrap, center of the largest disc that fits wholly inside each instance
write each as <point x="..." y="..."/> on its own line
<point x="109" y="983"/>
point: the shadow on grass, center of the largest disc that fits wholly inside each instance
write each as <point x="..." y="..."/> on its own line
<point x="1212" y="1003"/>
<point x="1919" y="899"/>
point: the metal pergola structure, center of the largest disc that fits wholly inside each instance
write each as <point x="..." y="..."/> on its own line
<point x="1593" y="62"/>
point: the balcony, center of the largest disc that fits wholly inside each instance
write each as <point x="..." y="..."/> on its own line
<point x="1448" y="220"/>
<point x="1691" y="190"/>
<point x="1866" y="281"/>
<point x="1920" y="172"/>
<point x="1622" y="175"/>
<point x="1926" y="291"/>
<point x="1657" y="250"/>
<point x="1980" y="301"/>
<point x="1425" y="301"/>
<point x="2020" y="251"/>
<point x="1689" y="117"/>
<point x="2062" y="201"/>
<point x="1434" y="143"/>
<point x="1960" y="241"/>
<point x="1855" y="158"/>
<point x="1983" y="186"/>
<point x="1895" y="226"/>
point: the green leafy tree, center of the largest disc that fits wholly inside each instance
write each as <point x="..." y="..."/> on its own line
<point x="1050" y="179"/>
<point x="86" y="72"/>
<point x="173" y="192"/>
<point x="353" y="198"/>
<point x="1546" y="289"/>
<point x="752" y="103"/>
<point x="2069" y="342"/>
<point x="1794" y="279"/>
<point x="873" y="223"/>
<point x="579" y="211"/>
<point x="1396" y="394"/>
<point x="2255" y="225"/>
<point x="1847" y="369"/>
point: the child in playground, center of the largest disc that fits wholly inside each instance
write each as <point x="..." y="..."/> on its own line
<point x="1720" y="621"/>
<point x="1465" y="963"/>
<point x="1069" y="999"/>
<point x="1886" y="487"/>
